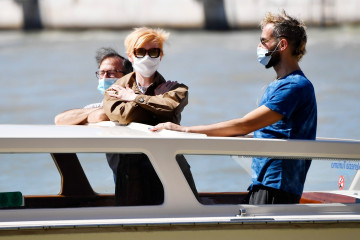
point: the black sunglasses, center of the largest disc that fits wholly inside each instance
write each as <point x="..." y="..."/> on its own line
<point x="152" y="52"/>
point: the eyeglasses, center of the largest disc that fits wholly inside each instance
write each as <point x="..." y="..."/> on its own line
<point x="264" y="40"/>
<point x="109" y="73"/>
<point x="152" y="52"/>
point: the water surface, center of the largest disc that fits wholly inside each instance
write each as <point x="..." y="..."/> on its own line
<point x="45" y="73"/>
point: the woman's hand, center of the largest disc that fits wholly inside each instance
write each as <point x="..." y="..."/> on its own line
<point x="169" y="126"/>
<point x="124" y="94"/>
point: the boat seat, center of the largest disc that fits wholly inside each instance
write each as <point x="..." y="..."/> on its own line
<point x="11" y="199"/>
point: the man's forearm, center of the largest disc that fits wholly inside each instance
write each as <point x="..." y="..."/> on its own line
<point x="97" y="116"/>
<point x="74" y="116"/>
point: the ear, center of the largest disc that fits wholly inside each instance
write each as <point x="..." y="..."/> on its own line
<point x="283" y="44"/>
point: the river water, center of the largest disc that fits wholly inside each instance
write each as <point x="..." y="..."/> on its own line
<point x="44" y="73"/>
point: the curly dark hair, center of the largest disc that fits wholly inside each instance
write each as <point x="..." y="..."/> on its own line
<point x="103" y="53"/>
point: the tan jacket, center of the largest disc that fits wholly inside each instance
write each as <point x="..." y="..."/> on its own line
<point x="147" y="108"/>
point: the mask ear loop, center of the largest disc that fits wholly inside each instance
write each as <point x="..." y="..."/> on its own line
<point x="270" y="53"/>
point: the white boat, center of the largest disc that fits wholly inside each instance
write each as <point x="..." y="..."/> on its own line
<point x="79" y="212"/>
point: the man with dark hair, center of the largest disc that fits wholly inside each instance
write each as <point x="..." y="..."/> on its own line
<point x="111" y="66"/>
<point x="287" y="110"/>
<point x="103" y="53"/>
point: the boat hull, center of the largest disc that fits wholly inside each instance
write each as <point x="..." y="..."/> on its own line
<point x="208" y="231"/>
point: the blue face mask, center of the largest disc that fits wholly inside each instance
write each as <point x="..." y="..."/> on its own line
<point x="264" y="55"/>
<point x="105" y="83"/>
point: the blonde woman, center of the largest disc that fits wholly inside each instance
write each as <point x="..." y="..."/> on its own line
<point x="144" y="96"/>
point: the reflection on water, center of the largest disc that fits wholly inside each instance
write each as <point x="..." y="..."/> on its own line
<point x="45" y="73"/>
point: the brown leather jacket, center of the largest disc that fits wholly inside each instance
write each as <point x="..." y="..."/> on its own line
<point x="147" y="108"/>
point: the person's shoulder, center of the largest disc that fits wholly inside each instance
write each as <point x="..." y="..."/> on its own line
<point x="176" y="85"/>
<point x="297" y="76"/>
<point x="181" y="85"/>
<point x="298" y="79"/>
<point x="302" y="81"/>
<point x="299" y="84"/>
<point x="160" y="79"/>
<point x="295" y="83"/>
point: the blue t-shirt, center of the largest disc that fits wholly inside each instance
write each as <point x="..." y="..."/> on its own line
<point x="293" y="97"/>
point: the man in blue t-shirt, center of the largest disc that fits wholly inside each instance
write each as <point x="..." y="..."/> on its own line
<point x="278" y="180"/>
<point x="287" y="110"/>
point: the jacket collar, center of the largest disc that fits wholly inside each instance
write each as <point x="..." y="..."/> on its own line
<point x="158" y="79"/>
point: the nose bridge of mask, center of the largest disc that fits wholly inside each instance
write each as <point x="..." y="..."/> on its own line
<point x="145" y="58"/>
<point x="147" y="61"/>
<point x="110" y="79"/>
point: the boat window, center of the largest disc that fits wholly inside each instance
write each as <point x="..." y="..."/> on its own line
<point x="136" y="181"/>
<point x="29" y="173"/>
<point x="220" y="173"/>
<point x="224" y="179"/>
<point x="331" y="175"/>
<point x="98" y="172"/>
<point x="88" y="180"/>
<point x="47" y="180"/>
<point x="332" y="181"/>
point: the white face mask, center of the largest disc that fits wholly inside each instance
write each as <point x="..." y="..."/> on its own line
<point x="146" y="66"/>
<point x="264" y="56"/>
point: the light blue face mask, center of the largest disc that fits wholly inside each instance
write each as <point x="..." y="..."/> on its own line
<point x="264" y="55"/>
<point x="105" y="83"/>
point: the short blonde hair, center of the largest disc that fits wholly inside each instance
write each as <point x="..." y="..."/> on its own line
<point x="294" y="30"/>
<point x="143" y="35"/>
